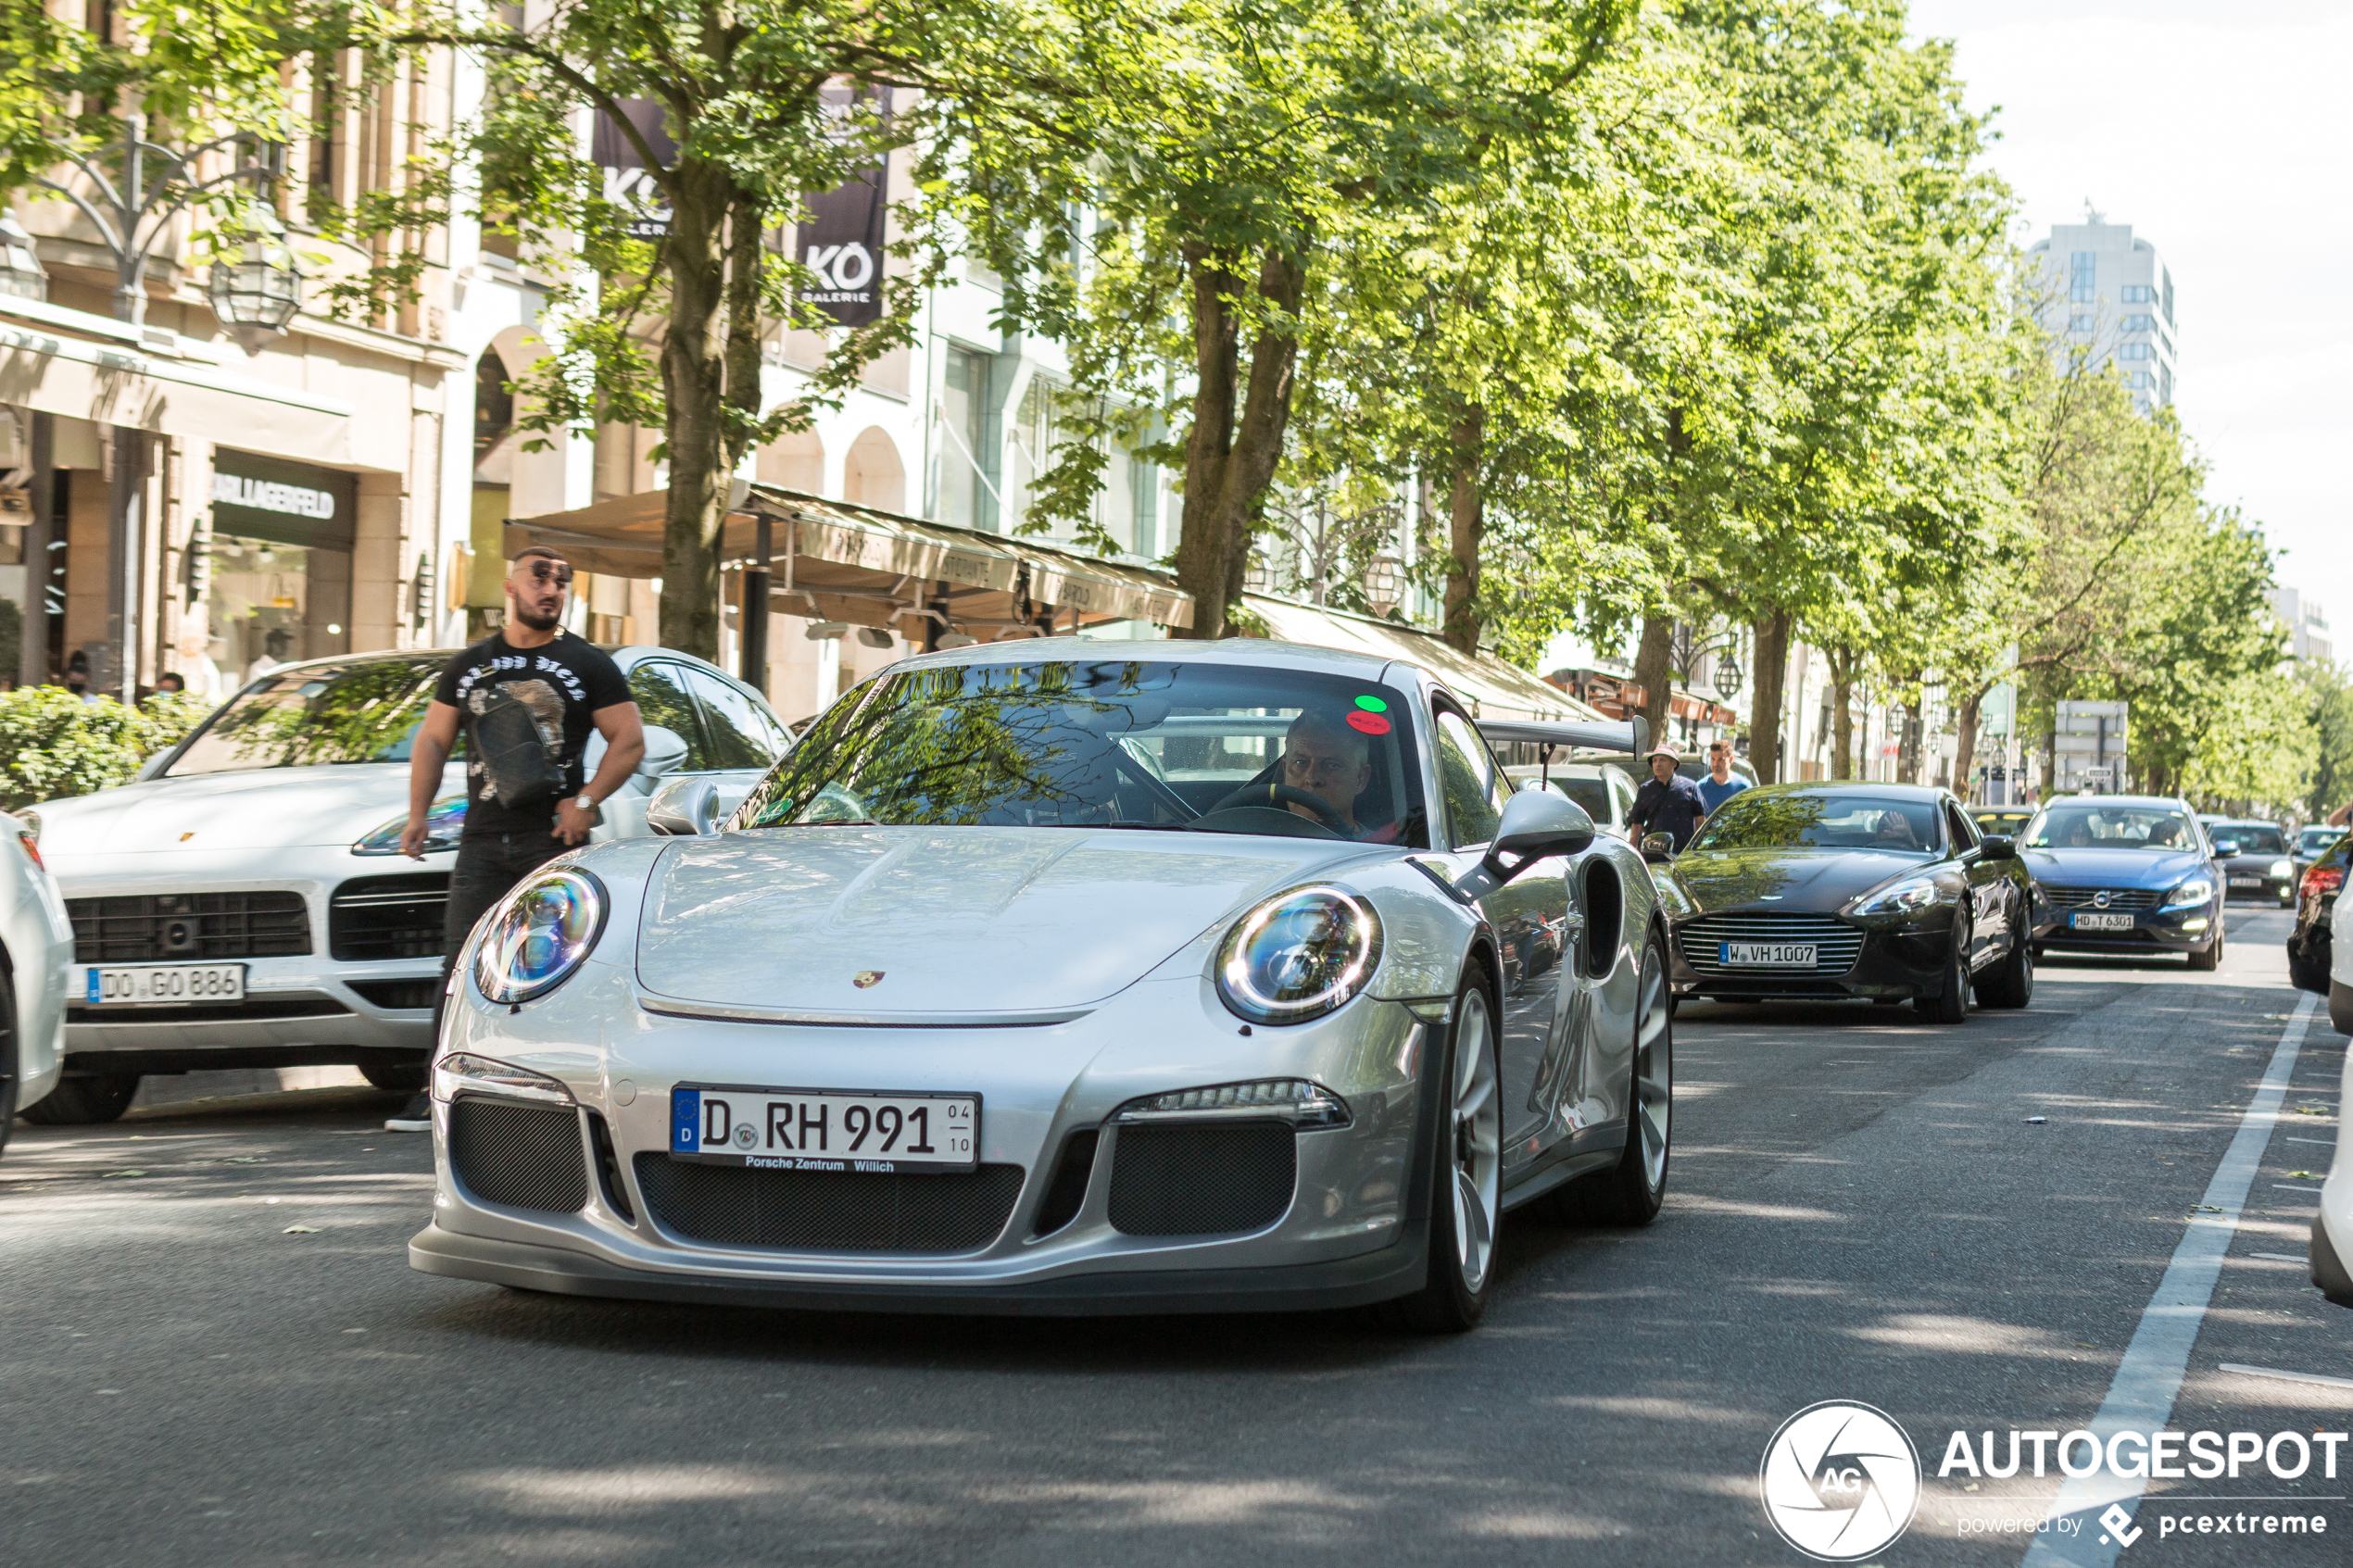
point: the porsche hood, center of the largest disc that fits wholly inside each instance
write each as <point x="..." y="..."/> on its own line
<point x="900" y="921"/>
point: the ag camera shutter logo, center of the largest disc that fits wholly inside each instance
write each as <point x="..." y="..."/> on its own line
<point x="1839" y="1481"/>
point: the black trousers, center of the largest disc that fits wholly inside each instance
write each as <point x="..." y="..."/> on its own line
<point x="489" y="864"/>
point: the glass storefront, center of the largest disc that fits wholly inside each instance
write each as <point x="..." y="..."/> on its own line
<point x="278" y="566"/>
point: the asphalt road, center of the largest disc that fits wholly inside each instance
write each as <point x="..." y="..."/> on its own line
<point x="213" y="1351"/>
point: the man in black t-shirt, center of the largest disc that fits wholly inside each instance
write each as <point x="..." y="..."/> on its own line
<point x="568" y="688"/>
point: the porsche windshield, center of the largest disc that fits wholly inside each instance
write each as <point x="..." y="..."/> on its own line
<point x="1207" y="747"/>
<point x="2070" y="824"/>
<point x="335" y="713"/>
<point x="1796" y="820"/>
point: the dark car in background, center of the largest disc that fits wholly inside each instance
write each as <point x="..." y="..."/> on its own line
<point x="1881" y="891"/>
<point x="2308" y="952"/>
<point x="2254" y="858"/>
<point x="2125" y="874"/>
<point x="2312" y="843"/>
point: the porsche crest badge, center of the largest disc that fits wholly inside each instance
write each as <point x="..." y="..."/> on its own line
<point x="865" y="979"/>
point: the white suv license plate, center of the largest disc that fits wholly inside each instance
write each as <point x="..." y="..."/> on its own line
<point x="163" y="985"/>
<point x="2085" y="919"/>
<point x="1765" y="955"/>
<point x="825" y="1129"/>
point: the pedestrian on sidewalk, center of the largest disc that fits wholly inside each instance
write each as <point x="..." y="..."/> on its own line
<point x="1667" y="802"/>
<point x="1721" y="783"/>
<point x="531" y="680"/>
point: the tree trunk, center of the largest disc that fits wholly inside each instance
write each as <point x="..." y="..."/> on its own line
<point x="1765" y="710"/>
<point x="1653" y="674"/>
<point x="1965" y="742"/>
<point x="1843" y="720"/>
<point x="694" y="386"/>
<point x="1466" y="521"/>
<point x="1238" y="431"/>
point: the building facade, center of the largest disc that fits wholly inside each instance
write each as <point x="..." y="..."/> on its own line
<point x="2110" y="297"/>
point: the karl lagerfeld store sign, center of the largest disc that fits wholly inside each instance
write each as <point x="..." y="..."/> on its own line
<point x="258" y="497"/>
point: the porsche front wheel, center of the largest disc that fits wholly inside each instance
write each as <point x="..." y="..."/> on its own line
<point x="1465" y="1190"/>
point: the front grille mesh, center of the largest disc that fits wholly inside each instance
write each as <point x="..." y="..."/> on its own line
<point x="829" y="1210"/>
<point x="388" y="917"/>
<point x="1202" y="1179"/>
<point x="194" y="927"/>
<point x="1835" y="942"/>
<point x="521" y="1155"/>
<point x="2086" y="897"/>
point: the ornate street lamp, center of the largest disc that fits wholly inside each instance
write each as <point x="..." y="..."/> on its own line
<point x="1384" y="584"/>
<point x="255" y="291"/>
<point x="22" y="273"/>
<point x="1727" y="677"/>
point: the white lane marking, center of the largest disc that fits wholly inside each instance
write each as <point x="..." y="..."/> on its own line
<point x="2324" y="1143"/>
<point x="2283" y="1257"/>
<point x="2291" y="1376"/>
<point x="2141" y="1395"/>
<point x="2290" y="1186"/>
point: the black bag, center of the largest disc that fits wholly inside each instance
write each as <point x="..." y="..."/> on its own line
<point x="504" y="733"/>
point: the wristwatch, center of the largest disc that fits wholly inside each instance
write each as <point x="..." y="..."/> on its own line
<point x="587" y="803"/>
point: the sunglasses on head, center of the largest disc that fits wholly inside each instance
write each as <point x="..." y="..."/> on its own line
<point x="548" y="572"/>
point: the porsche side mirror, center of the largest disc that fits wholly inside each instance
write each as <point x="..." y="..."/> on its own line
<point x="1999" y="846"/>
<point x="1536" y="823"/>
<point x="1657" y="847"/>
<point x="665" y="748"/>
<point x="683" y="809"/>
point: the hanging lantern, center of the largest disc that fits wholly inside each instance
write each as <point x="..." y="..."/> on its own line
<point x="1384" y="584"/>
<point x="1727" y="679"/>
<point x="22" y="273"/>
<point x="257" y="289"/>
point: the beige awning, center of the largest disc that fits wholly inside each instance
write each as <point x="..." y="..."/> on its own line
<point x="835" y="561"/>
<point x="1493" y="688"/>
<point x="115" y="385"/>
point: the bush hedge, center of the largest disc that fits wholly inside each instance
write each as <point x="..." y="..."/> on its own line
<point x="53" y="744"/>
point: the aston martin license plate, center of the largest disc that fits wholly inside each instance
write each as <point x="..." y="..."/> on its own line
<point x="162" y="985"/>
<point x="825" y="1129"/>
<point x="2088" y="920"/>
<point x="1765" y="955"/>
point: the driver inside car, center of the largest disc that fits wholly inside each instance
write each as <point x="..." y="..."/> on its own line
<point x="1333" y="763"/>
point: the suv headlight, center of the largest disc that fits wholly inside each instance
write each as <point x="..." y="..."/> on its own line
<point x="1299" y="955"/>
<point x="533" y="941"/>
<point x="445" y="819"/>
<point x="1908" y="896"/>
<point x="2281" y="869"/>
<point x="2197" y="890"/>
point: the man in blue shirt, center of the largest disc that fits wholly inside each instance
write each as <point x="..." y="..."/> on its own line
<point x="1720" y="784"/>
<point x="1667" y="802"/>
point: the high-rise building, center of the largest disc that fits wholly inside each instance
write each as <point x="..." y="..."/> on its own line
<point x="2111" y="296"/>
<point x="2307" y="628"/>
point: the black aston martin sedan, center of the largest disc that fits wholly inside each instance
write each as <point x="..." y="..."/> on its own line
<point x="1869" y="890"/>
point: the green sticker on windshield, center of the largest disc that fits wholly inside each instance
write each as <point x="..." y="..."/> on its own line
<point x="1372" y="705"/>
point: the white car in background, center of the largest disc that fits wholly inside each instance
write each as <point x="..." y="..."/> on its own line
<point x="35" y="944"/>
<point x="244" y="903"/>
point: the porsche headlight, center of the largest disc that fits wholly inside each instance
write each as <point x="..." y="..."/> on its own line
<point x="1299" y="955"/>
<point x="539" y="935"/>
<point x="1907" y="897"/>
<point x="463" y="1070"/>
<point x="2197" y="890"/>
<point x="445" y="819"/>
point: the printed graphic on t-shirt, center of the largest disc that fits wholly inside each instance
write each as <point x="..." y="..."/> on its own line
<point x="546" y="716"/>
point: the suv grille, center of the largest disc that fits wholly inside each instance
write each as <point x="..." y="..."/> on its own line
<point x="1207" y="1179"/>
<point x="2087" y="897"/>
<point x="388" y="917"/>
<point x="1835" y="942"/>
<point x="829" y="1210"/>
<point x="164" y="927"/>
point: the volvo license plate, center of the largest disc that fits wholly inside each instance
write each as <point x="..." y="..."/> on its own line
<point x="1765" y="955"/>
<point x="882" y="1131"/>
<point x="162" y="985"/>
<point x="2090" y="919"/>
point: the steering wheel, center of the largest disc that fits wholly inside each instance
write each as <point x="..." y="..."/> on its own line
<point x="1269" y="794"/>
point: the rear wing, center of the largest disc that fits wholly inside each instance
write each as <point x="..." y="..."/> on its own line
<point x="1632" y="737"/>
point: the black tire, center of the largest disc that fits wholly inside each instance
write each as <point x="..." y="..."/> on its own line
<point x="2341" y="1007"/>
<point x="1951" y="1006"/>
<point x="1630" y="1192"/>
<point x="11" y="1063"/>
<point x="2009" y="984"/>
<point x="84" y="1099"/>
<point x="398" y="1075"/>
<point x="2305" y="977"/>
<point x="2210" y="960"/>
<point x="1454" y="1295"/>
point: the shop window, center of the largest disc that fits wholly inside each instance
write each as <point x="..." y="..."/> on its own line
<point x="277" y="553"/>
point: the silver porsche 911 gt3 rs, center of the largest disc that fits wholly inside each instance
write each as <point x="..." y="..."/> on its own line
<point x="1069" y="976"/>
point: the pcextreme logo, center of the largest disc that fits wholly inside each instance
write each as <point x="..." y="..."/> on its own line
<point x="1839" y="1481"/>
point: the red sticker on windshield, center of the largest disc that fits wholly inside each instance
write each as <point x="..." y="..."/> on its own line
<point x="1371" y="723"/>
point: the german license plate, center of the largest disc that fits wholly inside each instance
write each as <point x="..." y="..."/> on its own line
<point x="1765" y="955"/>
<point x="2247" y="882"/>
<point x="163" y="985"/>
<point x="2088" y="920"/>
<point x="825" y="1129"/>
